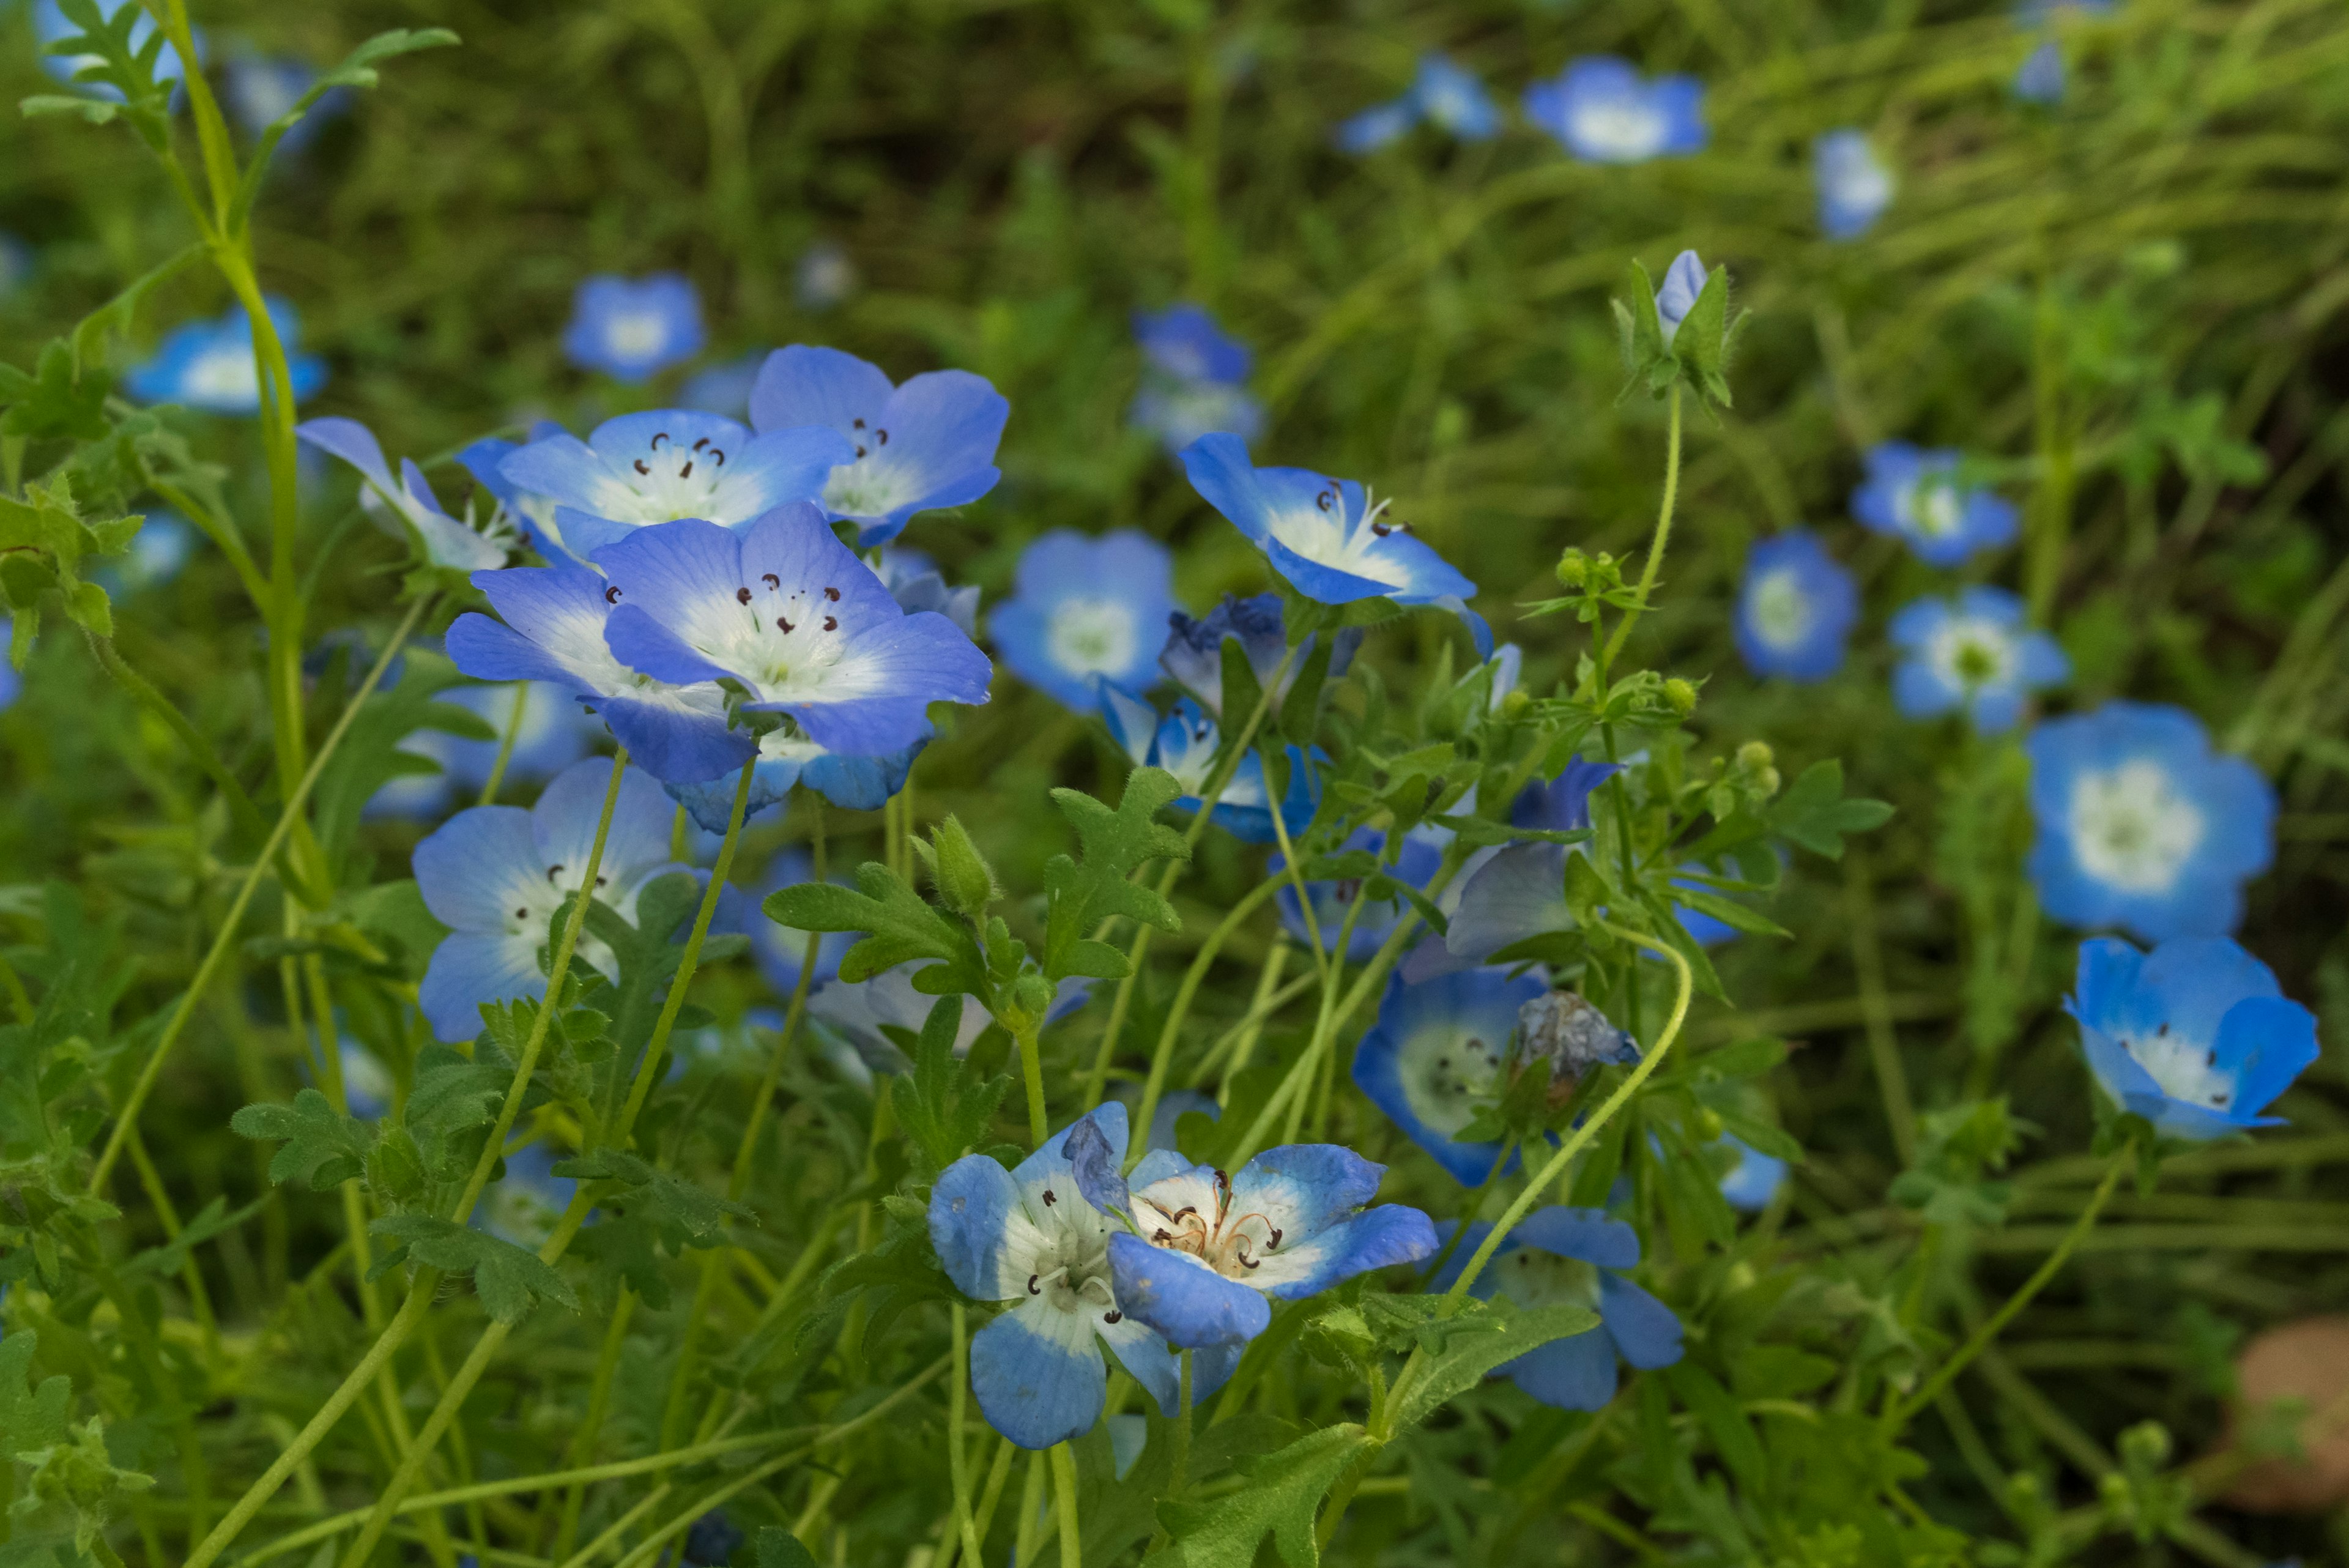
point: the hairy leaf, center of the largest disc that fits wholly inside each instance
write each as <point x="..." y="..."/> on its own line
<point x="1283" y="1493"/>
<point x="1082" y="892"/>
<point x="510" y="1279"/>
<point x="323" y="1147"/>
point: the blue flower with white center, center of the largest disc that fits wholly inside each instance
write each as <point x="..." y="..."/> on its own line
<point x="1854" y="185"/>
<point x="555" y="734"/>
<point x="1794" y="609"/>
<point x="1436" y="1055"/>
<point x="1183" y="342"/>
<point x="1972" y="653"/>
<point x="722" y="390"/>
<point x="17" y="264"/>
<point x="494" y="875"/>
<point x="1185" y="743"/>
<point x="525" y="1204"/>
<point x="1676" y="296"/>
<point x="532" y="512"/>
<point x="850" y="782"/>
<point x="921" y="447"/>
<point x="1325" y="536"/>
<point x="2195" y="1036"/>
<point x="1083" y="609"/>
<point x="1569" y="1257"/>
<point x="788" y="613"/>
<point x="1602" y="110"/>
<point x="914" y="581"/>
<point x="1207" y="1253"/>
<point x="1028" y="1236"/>
<point x="1452" y="97"/>
<point x="1180" y="412"/>
<point x="209" y="365"/>
<point x="1416" y="862"/>
<point x="368" y="1087"/>
<point x="631" y="330"/>
<point x="2141" y="825"/>
<point x="641" y="469"/>
<point x="552" y="630"/>
<point x="1379" y="125"/>
<point x="51" y="27"/>
<point x="408" y="508"/>
<point x="824" y="276"/>
<point x="1193" y="656"/>
<point x="1753" y="1180"/>
<point x="1914" y="493"/>
<point x="262" y="90"/>
<point x="1194" y="383"/>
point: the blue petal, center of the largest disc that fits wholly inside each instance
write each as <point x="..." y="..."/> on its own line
<point x="2269" y="1042"/>
<point x="1379" y="126"/>
<point x="803" y="385"/>
<point x="1584" y="1233"/>
<point x="1096" y="1169"/>
<point x="1576" y="1373"/>
<point x="1457" y="1261"/>
<point x="1517" y="894"/>
<point x="1037" y="1383"/>
<point x="469" y="969"/>
<point x="1376" y="1239"/>
<point x="1305" y="1188"/>
<point x="1643" y="1328"/>
<point x="1415" y="1021"/>
<point x="1181" y="1297"/>
<point x="970" y="1208"/>
<point x="673" y="745"/>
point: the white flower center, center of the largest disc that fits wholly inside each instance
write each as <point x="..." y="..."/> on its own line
<point x="1532" y="1278"/>
<point x="1234" y="1244"/>
<point x="1448" y="1072"/>
<point x="1971" y="653"/>
<point x="1619" y="132"/>
<point x="2186" y="1069"/>
<point x="223" y="377"/>
<point x="1324" y="534"/>
<point x="636" y="334"/>
<point x="1092" y="637"/>
<point x="1929" y="506"/>
<point x="1779" y="610"/>
<point x="669" y="480"/>
<point x="1065" y="1255"/>
<point x="2132" y="828"/>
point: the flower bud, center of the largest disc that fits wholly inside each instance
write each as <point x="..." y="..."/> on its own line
<point x="1681" y="695"/>
<point x="963" y="877"/>
<point x="1573" y="569"/>
<point x="1708" y="1124"/>
<point x="1754" y="755"/>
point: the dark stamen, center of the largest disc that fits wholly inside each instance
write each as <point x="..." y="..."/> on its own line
<point x="1049" y="1198"/>
<point x="858" y="423"/>
<point x="773" y="581"/>
<point x="641" y="467"/>
<point x="553" y="872"/>
<point x="657" y="439"/>
<point x="522" y="914"/>
<point x="832" y="623"/>
<point x="1112" y="1315"/>
<point x="741" y="596"/>
<point x="884" y="435"/>
<point x="859" y="452"/>
<point x="686" y="472"/>
<point x="702" y="443"/>
<point x="1031" y="1286"/>
<point x="786" y="627"/>
<point x="832" y="593"/>
<point x="718" y="457"/>
<point x="612" y="595"/>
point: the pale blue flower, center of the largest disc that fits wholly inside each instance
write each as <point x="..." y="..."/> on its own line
<point x="408" y="509"/>
<point x="1185" y="743"/>
<point x="209" y="365"/>
<point x="914" y="581"/>
<point x="1442" y="93"/>
<point x="1751" y="1183"/>
<point x="1683" y="281"/>
<point x="1194" y="383"/>
<point x="1193" y="656"/>
<point x="1420" y="854"/>
<point x="1183" y="341"/>
<point x="1972" y="653"/>
<point x="1436" y="1057"/>
<point x="1794" y="609"/>
<point x="1379" y="126"/>
<point x="1602" y="110"/>
<point x="1914" y="494"/>
<point x="1083" y="609"/>
<point x="260" y="90"/>
<point x="159" y="551"/>
<point x="525" y="1205"/>
<point x="2041" y="79"/>
<point x="631" y="330"/>
<point x="2195" y="1036"/>
<point x="1569" y="1257"/>
<point x="864" y="1012"/>
<point x="723" y="390"/>
<point x="1855" y="184"/>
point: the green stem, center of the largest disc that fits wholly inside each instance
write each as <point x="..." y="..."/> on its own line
<point x="143" y="691"/>
<point x="599" y="1401"/>
<point x="1031" y="1510"/>
<point x="1031" y="1072"/>
<point x="957" y="1462"/>
<point x="1155" y="1084"/>
<point x="1664" y="535"/>
<point x="506" y="744"/>
<point x="1064" y="1487"/>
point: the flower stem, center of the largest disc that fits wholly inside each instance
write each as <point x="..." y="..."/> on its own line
<point x="506" y="744"/>
<point x="1031" y="1070"/>
<point x="1664" y="535"/>
<point x="957" y="1462"/>
<point x="1155" y="1084"/>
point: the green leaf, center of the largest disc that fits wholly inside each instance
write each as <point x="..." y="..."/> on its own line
<point x="1467" y="1356"/>
<point x="357" y="70"/>
<point x="32" y="1415"/>
<point x="1080" y="893"/>
<point x="323" y="1147"/>
<point x="1728" y="911"/>
<point x="213" y="1220"/>
<point x="899" y="927"/>
<point x="1814" y="814"/>
<point x="510" y="1279"/>
<point x="1731" y="1434"/>
<point x="944" y="1106"/>
<point x="778" y="1548"/>
<point x="684" y="1214"/>
<point x="1282" y="1494"/>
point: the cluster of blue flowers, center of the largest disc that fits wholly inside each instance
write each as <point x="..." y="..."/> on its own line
<point x="1195" y="378"/>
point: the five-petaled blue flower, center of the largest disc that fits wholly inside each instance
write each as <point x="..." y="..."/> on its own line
<point x="1028" y="1236"/>
<point x="928" y="445"/>
<point x="1794" y="609"/>
<point x="1194" y="381"/>
<point x="1436" y="1057"/>
<point x="1972" y="653"/>
<point x="1753" y="1180"/>
<point x="1183" y="341"/>
<point x="468" y="544"/>
<point x="1568" y="1257"/>
<point x="1442" y="93"/>
<point x="555" y="734"/>
<point x="2195" y="1036"/>
<point x="525" y="1204"/>
<point x="862" y="1013"/>
<point x="1194" y="651"/>
<point x="209" y="365"/>
<point x="1415" y="862"/>
<point x="2041" y="78"/>
<point x="495" y="874"/>
<point x="633" y="328"/>
<point x="1325" y="536"/>
<point x="664" y="465"/>
<point x="2141" y="825"/>
<point x="1185" y="743"/>
<point x="1914" y="493"/>
<point x="51" y="27"/>
<point x="789" y="614"/>
<point x="1602" y="110"/>
<point x="1085" y="608"/>
<point x="1854" y="185"/>
<point x="914" y="581"/>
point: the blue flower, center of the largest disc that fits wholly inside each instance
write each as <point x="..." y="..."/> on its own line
<point x="919" y="446"/>
<point x="1914" y="493"/>
<point x="722" y="390"/>
<point x="1442" y="93"/>
<point x="1562" y="805"/>
<point x="1416" y="862"/>
<point x="2195" y="1036"/>
<point x="495" y="874"/>
<point x="1754" y="1179"/>
<point x="1602" y="110"/>
<point x="787" y="612"/>
<point x="1185" y="743"/>
<point x="2039" y="78"/>
<point x="633" y="328"/>
<point x="1973" y="653"/>
<point x="159" y="551"/>
<point x="779" y="948"/>
<point x="1183" y="342"/>
<point x="1683" y="281"/>
<point x="824" y="276"/>
<point x="525" y="1205"/>
<point x="1085" y="608"/>
<point x="1028" y="1235"/>
<point x="408" y="508"/>
<point x="2141" y="825"/>
<point x="553" y="630"/>
<point x="50" y="28"/>
<point x="1568" y="1257"/>
<point x="712" y="1540"/>
<point x="1324" y="536"/>
<point x="1180" y="412"/>
<point x="1434" y="1058"/>
<point x="533" y="513"/>
<point x="851" y="783"/>
<point x="914" y="581"/>
<point x="1379" y="126"/>
<point x="17" y="264"/>
<point x="262" y="90"/>
<point x="1794" y="609"/>
<point x="1172" y="1107"/>
<point x="1194" y="651"/>
<point x="1194" y="383"/>
<point x="209" y="365"/>
<point x="12" y="680"/>
<point x="641" y="469"/>
<point x="555" y="734"/>
<point x="1855" y="186"/>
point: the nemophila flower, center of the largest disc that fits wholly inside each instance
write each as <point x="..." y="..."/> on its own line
<point x="1208" y="1253"/>
<point x="409" y="508"/>
<point x="1185" y="743"/>
<point x="2195" y="1036"/>
<point x="552" y="630"/>
<point x="495" y="874"/>
<point x="1434" y="1058"/>
<point x="914" y="581"/>
<point x="633" y="328"/>
<point x="2141" y="825"/>
<point x="12" y="681"/>
<point x="781" y="951"/>
<point x="851" y="783"/>
<point x="1379" y="125"/>
<point x="1083" y="609"/>
<point x="1602" y="110"/>
<point x="712" y="1540"/>
<point x="1172" y="1107"/>
<point x="1563" y="803"/>
<point x="2041" y="78"/>
<point x="1193" y="654"/>
<point x="1415" y="862"/>
<point x="788" y="613"/>
<point x="17" y="264"/>
<point x="1194" y="383"/>
<point x="1441" y="93"/>
<point x="1972" y="653"/>
<point x="722" y="390"/>
<point x="1569" y="1257"/>
<point x="1028" y="1236"/>
<point x="1914" y="493"/>
<point x="1796" y="608"/>
<point x="1518" y="894"/>
<point x="824" y="276"/>
<point x="1183" y="341"/>
<point x="262" y="90"/>
<point x="920" y="447"/>
<point x="1325" y="536"/>
<point x="1854" y="185"/>
<point x="532" y="512"/>
<point x="645" y="469"/>
<point x="209" y="365"/>
<point x="1676" y="296"/>
<point x="368" y="1087"/>
<point x="555" y="734"/>
<point x="525" y="1204"/>
<point x="1753" y="1180"/>
<point x="50" y="28"/>
<point x="1180" y="412"/>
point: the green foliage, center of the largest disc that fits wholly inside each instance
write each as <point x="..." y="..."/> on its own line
<point x="1081" y="892"/>
<point x="511" y="1279"/>
<point x="1278" y="1495"/>
<point x="320" y="1145"/>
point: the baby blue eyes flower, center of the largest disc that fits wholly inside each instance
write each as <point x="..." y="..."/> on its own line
<point x="464" y="544"/>
<point x="1194" y="381"/>
<point x="1379" y="125"/>
<point x="1325" y="536"/>
<point x="1683" y="281"/>
<point x="1602" y="110"/>
<point x="1972" y="653"/>
<point x="1417" y="861"/>
<point x="1183" y="342"/>
<point x="525" y="1204"/>
<point x="2041" y="78"/>
<point x="851" y="783"/>
<point x="1914" y="493"/>
<point x="495" y="874"/>
<point x="631" y="330"/>
<point x="914" y="581"/>
<point x="1185" y="743"/>
<point x="1028" y="1236"/>
<point x="1794" y="609"/>
<point x="1442" y="93"/>
<point x="670" y="463"/>
<point x="2195" y="1036"/>
<point x="722" y="390"/>
<point x="1436" y="1057"/>
<point x="920" y="447"/>
<point x="1083" y="609"/>
<point x="2141" y="825"/>
<point x="780" y="950"/>
<point x="824" y="276"/>
<point x="1193" y="656"/>
<point x="555" y="734"/>
<point x="1569" y="1257"/>
<point x="1754" y="1179"/>
<point x="209" y="365"/>
<point x="786" y="612"/>
<point x="1854" y="185"/>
